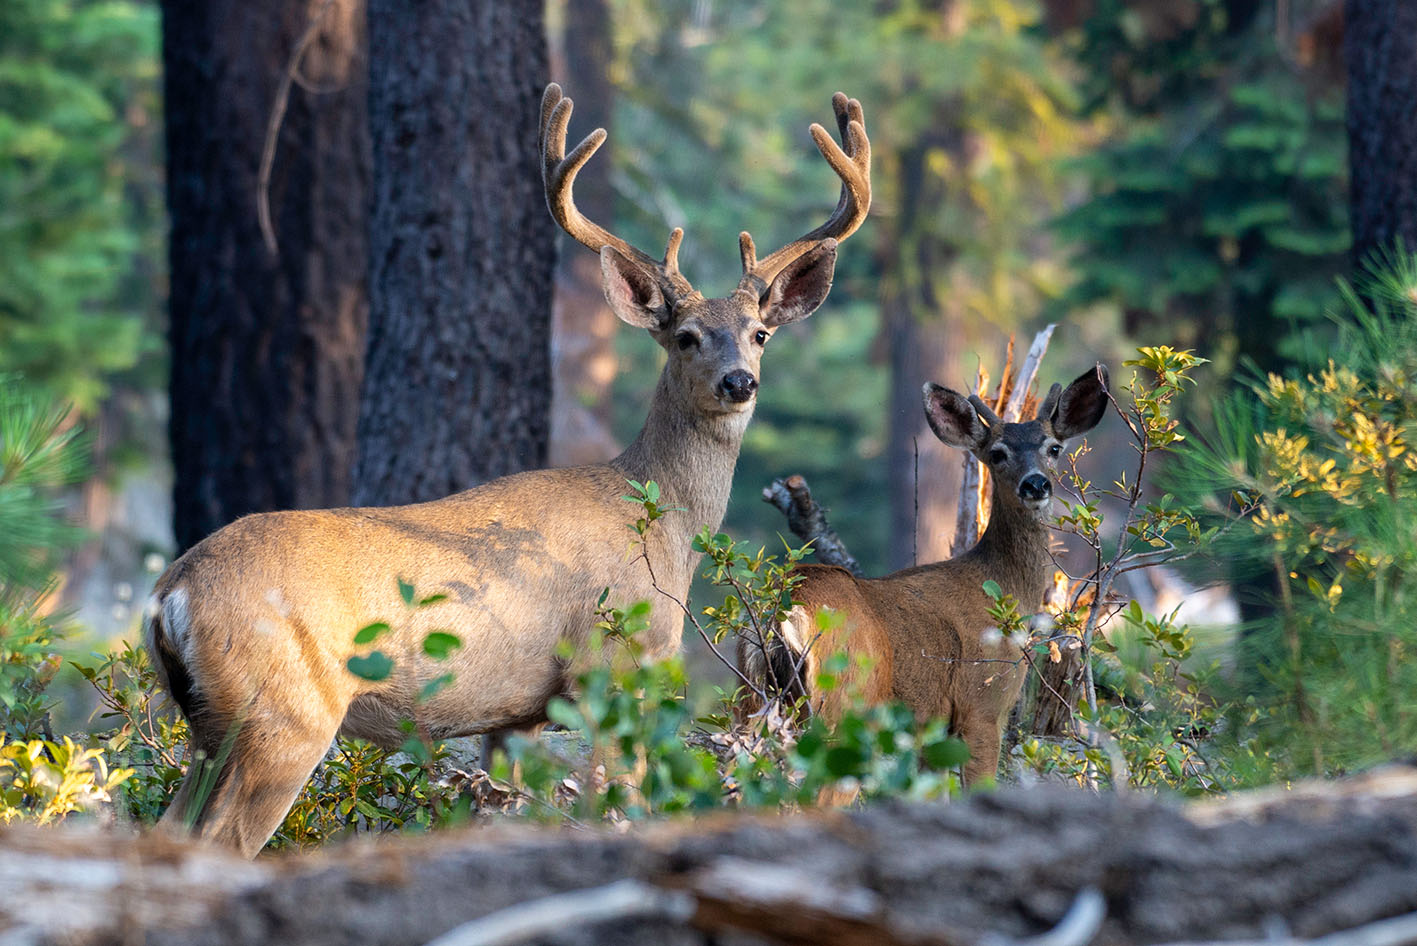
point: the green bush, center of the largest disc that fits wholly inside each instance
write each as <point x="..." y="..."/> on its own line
<point x="41" y="779"/>
<point x="1326" y="452"/>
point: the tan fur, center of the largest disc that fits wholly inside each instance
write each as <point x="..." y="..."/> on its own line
<point x="924" y="634"/>
<point x="252" y="628"/>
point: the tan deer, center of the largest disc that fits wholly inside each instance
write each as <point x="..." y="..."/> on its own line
<point x="252" y="628"/>
<point x="921" y="632"/>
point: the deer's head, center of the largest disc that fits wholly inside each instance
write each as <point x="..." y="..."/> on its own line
<point x="714" y="345"/>
<point x="1021" y="457"/>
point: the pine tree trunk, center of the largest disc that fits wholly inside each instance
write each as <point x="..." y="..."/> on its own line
<point x="1380" y="46"/>
<point x="457" y="386"/>
<point x="583" y="327"/>
<point x="926" y="341"/>
<point x="267" y="348"/>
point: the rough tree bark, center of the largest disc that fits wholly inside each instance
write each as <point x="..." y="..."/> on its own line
<point x="926" y="333"/>
<point x="457" y="386"/>
<point x="1380" y="46"/>
<point x="582" y="325"/>
<point x="1300" y="862"/>
<point x="267" y="347"/>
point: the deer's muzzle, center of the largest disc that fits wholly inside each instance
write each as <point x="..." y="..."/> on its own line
<point x="738" y="386"/>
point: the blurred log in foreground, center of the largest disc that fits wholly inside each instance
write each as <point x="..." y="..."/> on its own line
<point x="1281" y="866"/>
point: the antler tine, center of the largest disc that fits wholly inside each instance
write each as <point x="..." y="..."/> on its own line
<point x="985" y="412"/>
<point x="747" y="251"/>
<point x="558" y="175"/>
<point x="852" y="163"/>
<point x="1045" y="410"/>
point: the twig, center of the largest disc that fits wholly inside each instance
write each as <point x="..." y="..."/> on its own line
<point x="1077" y="927"/>
<point x="277" y="117"/>
<point x="621" y="900"/>
<point x="654" y="583"/>
<point x="915" y="523"/>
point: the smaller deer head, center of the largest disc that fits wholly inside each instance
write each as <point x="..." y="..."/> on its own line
<point x="1020" y="456"/>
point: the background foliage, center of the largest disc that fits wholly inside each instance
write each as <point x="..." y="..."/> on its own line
<point x="81" y="224"/>
<point x="1165" y="174"/>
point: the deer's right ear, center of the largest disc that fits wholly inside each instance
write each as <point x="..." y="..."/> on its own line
<point x="632" y="292"/>
<point x="953" y="419"/>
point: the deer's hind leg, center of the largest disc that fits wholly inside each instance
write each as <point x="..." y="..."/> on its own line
<point x="238" y="795"/>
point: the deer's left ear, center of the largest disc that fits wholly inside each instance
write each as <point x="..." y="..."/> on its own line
<point x="800" y="287"/>
<point x="1081" y="405"/>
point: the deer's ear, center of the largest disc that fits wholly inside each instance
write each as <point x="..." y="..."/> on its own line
<point x="632" y="292"/>
<point x="1081" y="405"/>
<point x="953" y="419"/>
<point x="800" y="287"/>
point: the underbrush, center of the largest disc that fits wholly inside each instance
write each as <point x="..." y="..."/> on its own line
<point x="1308" y="479"/>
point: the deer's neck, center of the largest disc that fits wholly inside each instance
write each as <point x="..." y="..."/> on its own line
<point x="690" y="455"/>
<point x="1014" y="549"/>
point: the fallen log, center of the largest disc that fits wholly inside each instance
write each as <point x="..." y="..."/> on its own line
<point x="1324" y="859"/>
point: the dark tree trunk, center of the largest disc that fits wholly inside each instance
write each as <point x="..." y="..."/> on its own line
<point x="267" y="348"/>
<point x="1380" y="46"/>
<point x="583" y="327"/>
<point x="457" y="386"/>
<point x="926" y="341"/>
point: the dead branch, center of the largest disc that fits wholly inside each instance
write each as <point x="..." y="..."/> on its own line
<point x="808" y="521"/>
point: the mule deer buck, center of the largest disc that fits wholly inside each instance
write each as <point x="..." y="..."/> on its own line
<point x="920" y="631"/>
<point x="252" y="628"/>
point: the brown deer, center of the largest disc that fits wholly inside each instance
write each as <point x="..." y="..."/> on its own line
<point x="251" y="629"/>
<point x="920" y="633"/>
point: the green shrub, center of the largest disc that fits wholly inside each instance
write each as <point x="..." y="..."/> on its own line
<point x="1326" y="452"/>
<point x="41" y="779"/>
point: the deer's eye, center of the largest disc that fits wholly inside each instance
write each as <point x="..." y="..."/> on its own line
<point x="998" y="455"/>
<point x="761" y="337"/>
<point x="1055" y="449"/>
<point x="686" y="340"/>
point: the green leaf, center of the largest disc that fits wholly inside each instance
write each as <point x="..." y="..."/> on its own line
<point x="405" y="592"/>
<point x="946" y="754"/>
<point x="439" y="644"/>
<point x="992" y="589"/>
<point x="432" y="599"/>
<point x="370" y="632"/>
<point x="417" y="750"/>
<point x="563" y="714"/>
<point x="432" y="687"/>
<point x="842" y="761"/>
<point x="375" y="667"/>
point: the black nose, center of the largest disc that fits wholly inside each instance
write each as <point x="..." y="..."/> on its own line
<point x="1034" y="487"/>
<point x="738" y="386"/>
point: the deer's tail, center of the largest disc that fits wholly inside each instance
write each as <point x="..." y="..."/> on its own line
<point x="167" y="632"/>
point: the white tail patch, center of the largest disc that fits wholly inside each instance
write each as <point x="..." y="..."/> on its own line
<point x="177" y="617"/>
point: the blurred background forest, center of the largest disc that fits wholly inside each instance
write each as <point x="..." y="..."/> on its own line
<point x="206" y="210"/>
